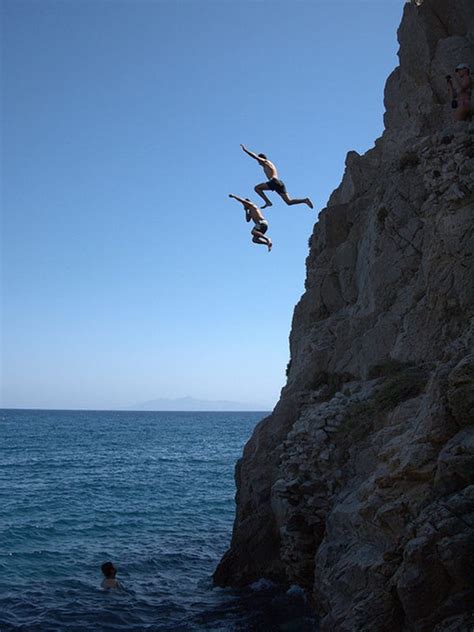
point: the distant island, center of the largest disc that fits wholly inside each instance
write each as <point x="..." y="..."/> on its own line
<point x="192" y="404"/>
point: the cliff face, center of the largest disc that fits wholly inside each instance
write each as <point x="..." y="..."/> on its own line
<point x="360" y="485"/>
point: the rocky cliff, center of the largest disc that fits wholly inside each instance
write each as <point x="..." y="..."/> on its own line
<point x="360" y="485"/>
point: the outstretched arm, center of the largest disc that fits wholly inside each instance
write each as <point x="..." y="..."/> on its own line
<point x="252" y="155"/>
<point x="239" y="199"/>
<point x="248" y="217"/>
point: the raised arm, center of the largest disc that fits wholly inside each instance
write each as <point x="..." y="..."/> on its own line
<point x="451" y="87"/>
<point x="262" y="161"/>
<point x="239" y="199"/>
<point x="246" y="205"/>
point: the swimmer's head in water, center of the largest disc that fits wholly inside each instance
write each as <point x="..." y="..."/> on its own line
<point x="463" y="67"/>
<point x="108" y="569"/>
<point x="262" y="156"/>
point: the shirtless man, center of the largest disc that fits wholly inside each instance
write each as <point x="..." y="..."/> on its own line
<point x="461" y="94"/>
<point x="109" y="572"/>
<point x="252" y="212"/>
<point x="273" y="183"/>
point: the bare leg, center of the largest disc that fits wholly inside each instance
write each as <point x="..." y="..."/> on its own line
<point x="290" y="202"/>
<point x="259" y="238"/>
<point x="259" y="190"/>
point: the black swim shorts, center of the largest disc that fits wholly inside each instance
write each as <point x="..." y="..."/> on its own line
<point x="277" y="185"/>
<point x="262" y="226"/>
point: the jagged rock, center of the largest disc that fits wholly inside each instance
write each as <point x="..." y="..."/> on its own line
<point x="461" y="391"/>
<point x="360" y="485"/>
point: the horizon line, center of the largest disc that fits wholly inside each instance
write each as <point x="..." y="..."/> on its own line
<point x="128" y="410"/>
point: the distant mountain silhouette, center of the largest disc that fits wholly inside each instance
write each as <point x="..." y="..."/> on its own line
<point x="191" y="404"/>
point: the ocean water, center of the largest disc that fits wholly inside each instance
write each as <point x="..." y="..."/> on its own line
<point x="154" y="493"/>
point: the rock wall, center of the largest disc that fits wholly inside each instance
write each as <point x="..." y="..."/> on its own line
<point x="360" y="485"/>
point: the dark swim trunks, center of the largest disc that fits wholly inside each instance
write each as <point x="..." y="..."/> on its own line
<point x="262" y="226"/>
<point x="277" y="185"/>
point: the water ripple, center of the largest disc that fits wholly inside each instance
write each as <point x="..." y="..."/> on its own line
<point x="154" y="492"/>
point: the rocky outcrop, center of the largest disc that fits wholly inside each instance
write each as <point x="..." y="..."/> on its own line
<point x="360" y="485"/>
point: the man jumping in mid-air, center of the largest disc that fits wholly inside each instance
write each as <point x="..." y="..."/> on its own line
<point x="252" y="212"/>
<point x="273" y="183"/>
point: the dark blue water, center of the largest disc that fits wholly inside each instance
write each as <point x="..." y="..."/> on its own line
<point x="154" y="493"/>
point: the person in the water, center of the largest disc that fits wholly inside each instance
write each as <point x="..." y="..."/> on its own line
<point x="109" y="571"/>
<point x="273" y="183"/>
<point x="252" y="212"/>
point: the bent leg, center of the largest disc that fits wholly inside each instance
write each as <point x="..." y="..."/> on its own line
<point x="259" y="190"/>
<point x="284" y="196"/>
<point x="259" y="238"/>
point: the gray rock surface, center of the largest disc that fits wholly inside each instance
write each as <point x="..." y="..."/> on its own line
<point x="360" y="485"/>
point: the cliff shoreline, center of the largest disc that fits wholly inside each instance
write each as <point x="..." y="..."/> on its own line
<point x="359" y="486"/>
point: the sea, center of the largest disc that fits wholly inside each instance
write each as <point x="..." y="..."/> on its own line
<point x="153" y="492"/>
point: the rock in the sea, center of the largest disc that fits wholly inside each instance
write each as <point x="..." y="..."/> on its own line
<point x="360" y="485"/>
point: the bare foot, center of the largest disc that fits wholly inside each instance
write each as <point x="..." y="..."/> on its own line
<point x="270" y="245"/>
<point x="309" y="203"/>
<point x="267" y="205"/>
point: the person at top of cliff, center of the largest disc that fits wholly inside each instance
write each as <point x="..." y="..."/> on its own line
<point x="273" y="183"/>
<point x="109" y="581"/>
<point x="252" y="212"/>
<point x="461" y="92"/>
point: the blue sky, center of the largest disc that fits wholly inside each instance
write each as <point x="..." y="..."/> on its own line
<point x="127" y="273"/>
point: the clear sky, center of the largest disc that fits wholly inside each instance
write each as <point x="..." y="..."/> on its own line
<point x="127" y="273"/>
